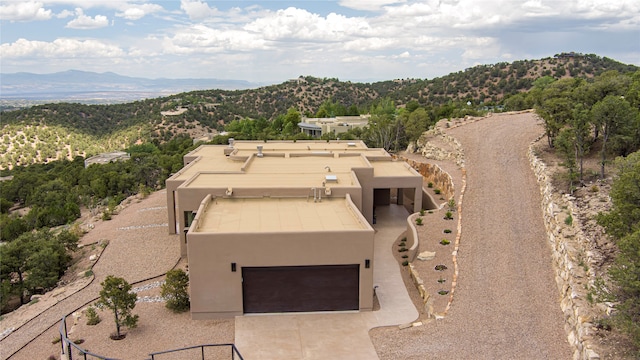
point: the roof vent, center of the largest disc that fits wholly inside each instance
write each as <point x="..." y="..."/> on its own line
<point x="260" y="151"/>
<point x="333" y="178"/>
<point x="351" y="144"/>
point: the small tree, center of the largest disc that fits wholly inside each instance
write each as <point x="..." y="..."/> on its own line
<point x="92" y="316"/>
<point x="175" y="290"/>
<point x="116" y="296"/>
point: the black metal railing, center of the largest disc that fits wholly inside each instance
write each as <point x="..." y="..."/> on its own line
<point x="233" y="354"/>
<point x="68" y="345"/>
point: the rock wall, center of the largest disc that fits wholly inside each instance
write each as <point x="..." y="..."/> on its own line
<point x="433" y="173"/>
<point x="572" y="262"/>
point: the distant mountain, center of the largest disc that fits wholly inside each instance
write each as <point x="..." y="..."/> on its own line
<point x="83" y="86"/>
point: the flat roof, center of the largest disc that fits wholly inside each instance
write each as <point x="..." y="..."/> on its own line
<point x="279" y="172"/>
<point x="290" y="146"/>
<point x="285" y="164"/>
<point x="215" y="163"/>
<point x="306" y="165"/>
<point x="391" y="168"/>
<point x="246" y="215"/>
<point x="273" y="180"/>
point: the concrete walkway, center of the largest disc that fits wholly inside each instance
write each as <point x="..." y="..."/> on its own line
<point x="339" y="335"/>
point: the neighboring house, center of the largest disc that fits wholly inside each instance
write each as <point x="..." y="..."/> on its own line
<point x="316" y="127"/>
<point x="283" y="226"/>
<point x="107" y="158"/>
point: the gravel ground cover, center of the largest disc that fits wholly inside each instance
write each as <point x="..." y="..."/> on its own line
<point x="506" y="304"/>
<point x="139" y="247"/>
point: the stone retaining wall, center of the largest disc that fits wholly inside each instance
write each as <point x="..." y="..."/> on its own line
<point x="572" y="262"/>
<point x="571" y="254"/>
<point x="433" y="173"/>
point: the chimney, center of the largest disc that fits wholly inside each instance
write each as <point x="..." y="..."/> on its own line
<point x="260" y="151"/>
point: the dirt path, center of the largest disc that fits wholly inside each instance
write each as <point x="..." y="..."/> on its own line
<point x="506" y="304"/>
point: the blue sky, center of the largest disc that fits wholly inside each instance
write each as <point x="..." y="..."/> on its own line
<point x="272" y="41"/>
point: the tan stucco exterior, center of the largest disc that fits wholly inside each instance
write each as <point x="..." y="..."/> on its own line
<point x="286" y="204"/>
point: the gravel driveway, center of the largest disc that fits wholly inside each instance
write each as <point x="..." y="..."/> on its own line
<point x="506" y="304"/>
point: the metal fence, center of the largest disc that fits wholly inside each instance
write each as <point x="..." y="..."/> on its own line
<point x="232" y="351"/>
<point x="226" y="351"/>
<point x="68" y="345"/>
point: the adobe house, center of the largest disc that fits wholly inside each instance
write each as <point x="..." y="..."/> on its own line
<point x="316" y="127"/>
<point x="283" y="226"/>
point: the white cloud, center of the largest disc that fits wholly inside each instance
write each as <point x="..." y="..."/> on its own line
<point x="138" y="11"/>
<point x="24" y="11"/>
<point x="293" y="23"/>
<point x="65" y="14"/>
<point x="371" y="44"/>
<point x="203" y="39"/>
<point x="84" y="22"/>
<point x="60" y="48"/>
<point x="198" y="10"/>
<point x="369" y="5"/>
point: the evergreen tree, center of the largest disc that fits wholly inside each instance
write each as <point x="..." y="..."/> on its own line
<point x="175" y="290"/>
<point x="116" y="296"/>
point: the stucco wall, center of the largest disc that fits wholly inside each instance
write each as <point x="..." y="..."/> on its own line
<point x="217" y="292"/>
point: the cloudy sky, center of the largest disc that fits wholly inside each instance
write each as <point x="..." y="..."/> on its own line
<point x="272" y="41"/>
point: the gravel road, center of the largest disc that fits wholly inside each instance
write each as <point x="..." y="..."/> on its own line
<point x="506" y="304"/>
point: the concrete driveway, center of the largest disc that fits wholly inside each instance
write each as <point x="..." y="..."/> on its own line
<point x="335" y="335"/>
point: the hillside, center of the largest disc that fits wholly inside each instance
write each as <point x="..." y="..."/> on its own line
<point x="99" y="88"/>
<point x="51" y="131"/>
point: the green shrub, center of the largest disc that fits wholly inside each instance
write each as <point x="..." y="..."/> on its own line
<point x="568" y="220"/>
<point x="419" y="221"/>
<point x="451" y="204"/>
<point x="405" y="256"/>
<point x="421" y="212"/>
<point x="437" y="191"/>
<point x="405" y="263"/>
<point x="447" y="231"/>
<point x="175" y="290"/>
<point x="448" y="215"/>
<point x="403" y="249"/>
<point x="430" y="185"/>
<point x="92" y="316"/>
<point x="445" y="242"/>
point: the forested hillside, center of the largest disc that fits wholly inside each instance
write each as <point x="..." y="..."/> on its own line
<point x="63" y="130"/>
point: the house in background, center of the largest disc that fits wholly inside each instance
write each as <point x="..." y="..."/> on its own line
<point x="283" y="226"/>
<point x="105" y="158"/>
<point x="316" y="127"/>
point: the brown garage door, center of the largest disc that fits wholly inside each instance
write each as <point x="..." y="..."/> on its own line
<point x="300" y="288"/>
